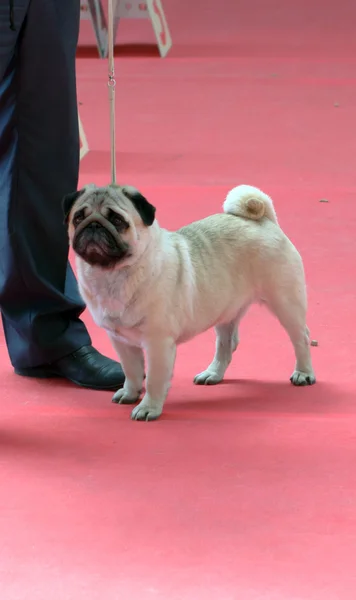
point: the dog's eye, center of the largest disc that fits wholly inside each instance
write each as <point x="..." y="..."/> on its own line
<point x="78" y="217"/>
<point x="118" y="221"/>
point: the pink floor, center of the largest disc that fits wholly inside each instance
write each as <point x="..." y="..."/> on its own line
<point x="245" y="491"/>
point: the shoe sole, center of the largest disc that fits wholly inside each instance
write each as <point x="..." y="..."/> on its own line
<point x="38" y="373"/>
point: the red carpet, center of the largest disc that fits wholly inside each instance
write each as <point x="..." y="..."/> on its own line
<point x="245" y="491"/>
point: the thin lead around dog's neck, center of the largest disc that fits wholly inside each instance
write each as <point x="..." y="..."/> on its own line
<point x="112" y="84"/>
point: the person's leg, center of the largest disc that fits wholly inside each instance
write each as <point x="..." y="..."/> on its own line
<point x="39" y="151"/>
<point x="39" y="159"/>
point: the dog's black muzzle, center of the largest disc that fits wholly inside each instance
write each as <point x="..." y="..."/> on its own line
<point x="97" y="241"/>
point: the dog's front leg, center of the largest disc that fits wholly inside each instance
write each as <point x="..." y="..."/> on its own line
<point x="132" y="361"/>
<point x="160" y="357"/>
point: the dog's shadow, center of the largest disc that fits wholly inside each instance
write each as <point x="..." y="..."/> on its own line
<point x="260" y="397"/>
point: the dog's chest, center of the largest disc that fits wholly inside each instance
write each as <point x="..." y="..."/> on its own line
<point x="115" y="305"/>
<point x="120" y="321"/>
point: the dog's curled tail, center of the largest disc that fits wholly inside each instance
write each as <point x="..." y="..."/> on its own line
<point x="249" y="202"/>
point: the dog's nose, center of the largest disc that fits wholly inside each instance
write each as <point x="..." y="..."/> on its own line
<point x="94" y="225"/>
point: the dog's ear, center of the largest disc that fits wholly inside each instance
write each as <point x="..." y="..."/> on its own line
<point x="146" y="210"/>
<point x="67" y="203"/>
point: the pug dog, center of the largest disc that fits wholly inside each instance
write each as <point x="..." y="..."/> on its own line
<point x="152" y="289"/>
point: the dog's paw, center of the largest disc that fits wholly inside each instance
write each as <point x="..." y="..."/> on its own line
<point x="123" y="397"/>
<point x="207" y="378"/>
<point x="300" y="378"/>
<point x="145" y="412"/>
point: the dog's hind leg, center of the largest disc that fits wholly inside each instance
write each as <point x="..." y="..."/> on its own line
<point x="227" y="340"/>
<point x="291" y="313"/>
<point x="226" y="344"/>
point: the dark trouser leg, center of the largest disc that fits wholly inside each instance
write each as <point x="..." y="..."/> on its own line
<point x="39" y="154"/>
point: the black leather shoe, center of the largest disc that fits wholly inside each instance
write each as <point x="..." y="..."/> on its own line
<point x="85" y="367"/>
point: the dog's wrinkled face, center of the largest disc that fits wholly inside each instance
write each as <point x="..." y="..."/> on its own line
<point x="105" y="224"/>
